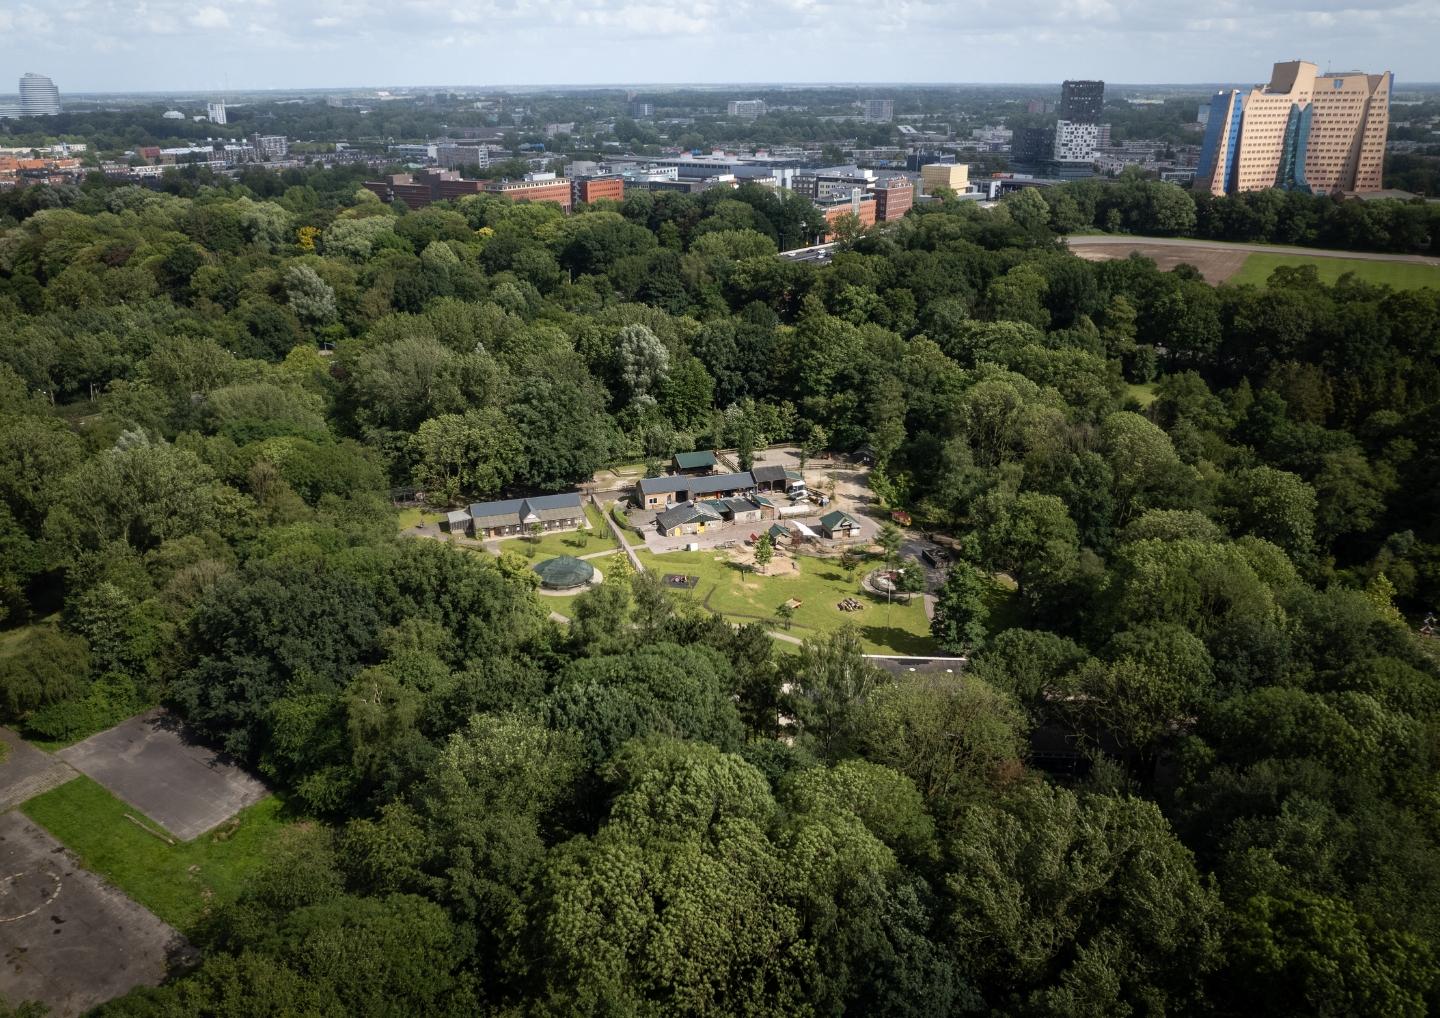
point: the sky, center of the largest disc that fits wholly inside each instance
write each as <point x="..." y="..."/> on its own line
<point x="168" y="45"/>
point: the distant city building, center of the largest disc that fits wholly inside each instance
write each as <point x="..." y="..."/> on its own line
<point x="172" y="115"/>
<point x="551" y="130"/>
<point x="955" y="176"/>
<point x="1321" y="133"/>
<point x="9" y="111"/>
<point x="215" y="112"/>
<point x="831" y="183"/>
<point x="270" y="147"/>
<point x="746" y="109"/>
<point x="1036" y="106"/>
<point x="1202" y="115"/>
<point x="879" y="111"/>
<point x="38" y="96"/>
<point x="1082" y="101"/>
<point x="642" y="111"/>
<point x="453" y="157"/>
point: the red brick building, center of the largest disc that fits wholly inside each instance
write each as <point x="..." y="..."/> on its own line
<point x="893" y="198"/>
<point x="420" y="189"/>
<point x="547" y="187"/>
<point x="591" y="189"/>
<point x="862" y="207"/>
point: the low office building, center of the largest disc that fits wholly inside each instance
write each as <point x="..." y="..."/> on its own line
<point x="534" y="187"/>
<point x="894" y="197"/>
<point x="515" y="516"/>
<point x="661" y="492"/>
<point x="420" y="189"/>
<point x="860" y="204"/>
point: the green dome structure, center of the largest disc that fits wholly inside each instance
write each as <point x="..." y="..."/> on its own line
<point x="564" y="573"/>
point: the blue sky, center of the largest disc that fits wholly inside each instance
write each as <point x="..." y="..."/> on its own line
<point x="133" y="45"/>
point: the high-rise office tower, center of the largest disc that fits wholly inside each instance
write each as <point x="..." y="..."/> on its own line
<point x="1082" y="101"/>
<point x="642" y="110"/>
<point x="1323" y="133"/>
<point x="215" y="112"/>
<point x="1077" y="132"/>
<point x="879" y="111"/>
<point x="38" y="96"/>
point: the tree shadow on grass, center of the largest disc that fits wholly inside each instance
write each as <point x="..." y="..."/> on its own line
<point x="899" y="641"/>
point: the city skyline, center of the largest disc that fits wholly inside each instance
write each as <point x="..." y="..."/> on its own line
<point x="91" y="47"/>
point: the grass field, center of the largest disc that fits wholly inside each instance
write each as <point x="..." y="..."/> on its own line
<point x="568" y="542"/>
<point x="820" y="585"/>
<point x="1400" y="275"/>
<point x="1141" y="392"/>
<point x="179" y="882"/>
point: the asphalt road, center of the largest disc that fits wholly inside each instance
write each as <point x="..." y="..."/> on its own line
<point x="1122" y="240"/>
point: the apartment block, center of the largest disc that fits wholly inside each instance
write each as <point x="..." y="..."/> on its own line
<point x="879" y="111"/>
<point x="1305" y="131"/>
<point x="745" y="109"/>
<point x="534" y="187"/>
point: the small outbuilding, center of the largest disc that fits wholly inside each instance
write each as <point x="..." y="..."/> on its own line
<point x="694" y="463"/>
<point x="839" y="525"/>
<point x="565" y="572"/>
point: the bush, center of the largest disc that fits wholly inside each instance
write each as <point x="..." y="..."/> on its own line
<point x="109" y="701"/>
<point x="47" y="666"/>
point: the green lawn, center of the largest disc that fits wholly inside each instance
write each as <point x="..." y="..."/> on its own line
<point x="1141" y="392"/>
<point x="179" y="882"/>
<point x="410" y="517"/>
<point x="567" y="542"/>
<point x="1401" y="275"/>
<point x="820" y="585"/>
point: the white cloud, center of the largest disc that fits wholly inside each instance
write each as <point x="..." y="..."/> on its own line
<point x="210" y="17"/>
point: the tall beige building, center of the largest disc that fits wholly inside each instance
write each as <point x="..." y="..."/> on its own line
<point x="1323" y="133"/>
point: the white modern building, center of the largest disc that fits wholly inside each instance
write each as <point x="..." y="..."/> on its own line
<point x="746" y="109"/>
<point x="1076" y="142"/>
<point x="215" y="112"/>
<point x="38" y="96"/>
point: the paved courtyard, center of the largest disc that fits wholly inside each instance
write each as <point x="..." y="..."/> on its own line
<point x="26" y="771"/>
<point x="151" y="763"/>
<point x="67" y="938"/>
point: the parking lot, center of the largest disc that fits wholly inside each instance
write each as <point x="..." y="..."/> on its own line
<point x="154" y="765"/>
<point x="67" y="938"/>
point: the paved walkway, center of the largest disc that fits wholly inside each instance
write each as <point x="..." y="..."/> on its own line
<point x="1120" y="240"/>
<point x="27" y="772"/>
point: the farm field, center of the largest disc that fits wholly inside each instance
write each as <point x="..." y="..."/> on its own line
<point x="178" y="882"/>
<point x="1400" y="275"/>
<point x="820" y="584"/>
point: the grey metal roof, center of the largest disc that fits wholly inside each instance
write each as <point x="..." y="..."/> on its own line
<point x="686" y="512"/>
<point x="769" y="472"/>
<point x="697" y="485"/>
<point x="544" y="507"/>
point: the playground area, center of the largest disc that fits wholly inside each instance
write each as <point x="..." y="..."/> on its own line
<point x="803" y="596"/>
